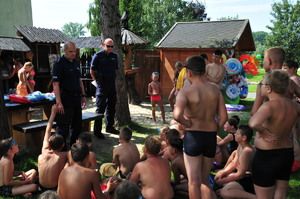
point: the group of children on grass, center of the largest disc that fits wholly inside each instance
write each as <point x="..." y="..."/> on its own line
<point x="179" y="162"/>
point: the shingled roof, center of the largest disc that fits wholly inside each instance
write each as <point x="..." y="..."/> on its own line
<point x="13" y="44"/>
<point x="130" y="38"/>
<point x="210" y="34"/>
<point x="88" y="42"/>
<point x="41" y="35"/>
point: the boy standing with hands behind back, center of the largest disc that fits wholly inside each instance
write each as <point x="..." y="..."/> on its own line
<point x="154" y="90"/>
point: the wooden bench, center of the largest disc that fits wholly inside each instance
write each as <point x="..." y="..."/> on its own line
<point x="35" y="131"/>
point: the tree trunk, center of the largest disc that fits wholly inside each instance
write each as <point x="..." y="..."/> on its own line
<point x="4" y="133"/>
<point x="111" y="28"/>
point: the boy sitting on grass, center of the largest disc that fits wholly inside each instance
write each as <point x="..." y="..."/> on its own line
<point x="23" y="185"/>
<point x="86" y="138"/>
<point x="168" y="153"/>
<point x="236" y="178"/>
<point x="52" y="160"/>
<point x="77" y="181"/>
<point x="153" y="174"/>
<point x="180" y="183"/>
<point x="125" y="156"/>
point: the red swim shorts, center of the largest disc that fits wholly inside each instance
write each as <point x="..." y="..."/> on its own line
<point x="155" y="98"/>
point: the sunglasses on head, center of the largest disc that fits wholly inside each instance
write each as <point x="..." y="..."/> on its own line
<point x="108" y="46"/>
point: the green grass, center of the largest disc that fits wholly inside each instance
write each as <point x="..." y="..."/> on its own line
<point x="25" y="161"/>
<point x="255" y="78"/>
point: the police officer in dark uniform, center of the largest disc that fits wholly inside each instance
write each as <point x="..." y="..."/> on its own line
<point x="69" y="93"/>
<point x="103" y="69"/>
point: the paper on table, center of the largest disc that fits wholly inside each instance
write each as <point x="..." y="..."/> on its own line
<point x="94" y="83"/>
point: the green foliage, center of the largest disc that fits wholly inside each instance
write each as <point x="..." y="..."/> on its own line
<point x="260" y="36"/>
<point x="150" y="19"/>
<point x="286" y="28"/>
<point x="255" y="78"/>
<point x="94" y="18"/>
<point x="73" y="29"/>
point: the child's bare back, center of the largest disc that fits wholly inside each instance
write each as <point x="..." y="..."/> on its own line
<point x="202" y="104"/>
<point x="154" y="173"/>
<point x="127" y="155"/>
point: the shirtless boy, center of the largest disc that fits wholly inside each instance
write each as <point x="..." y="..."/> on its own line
<point x="23" y="82"/>
<point x="273" y="59"/>
<point x="76" y="181"/>
<point x="154" y="173"/>
<point x="8" y="185"/>
<point x="274" y="155"/>
<point x="236" y="177"/>
<point x="86" y="138"/>
<point x="197" y="110"/>
<point x="168" y="153"/>
<point x="215" y="72"/>
<point x="292" y="67"/>
<point x="172" y="96"/>
<point x="125" y="156"/>
<point x="180" y="184"/>
<point x="154" y="90"/>
<point x="52" y="160"/>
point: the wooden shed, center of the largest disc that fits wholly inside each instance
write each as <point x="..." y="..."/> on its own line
<point x="10" y="47"/>
<point x="43" y="43"/>
<point x="186" y="39"/>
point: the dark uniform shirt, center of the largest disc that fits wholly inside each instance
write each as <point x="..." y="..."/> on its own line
<point x="105" y="64"/>
<point x="67" y="74"/>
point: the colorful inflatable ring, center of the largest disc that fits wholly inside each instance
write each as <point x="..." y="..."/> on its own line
<point x="233" y="66"/>
<point x="244" y="92"/>
<point x="235" y="107"/>
<point x="232" y="91"/>
<point x="224" y="59"/>
<point x="229" y="101"/>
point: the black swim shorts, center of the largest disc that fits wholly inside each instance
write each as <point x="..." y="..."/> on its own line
<point x="271" y="165"/>
<point x="200" y="142"/>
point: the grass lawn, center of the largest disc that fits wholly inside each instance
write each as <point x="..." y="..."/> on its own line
<point x="103" y="148"/>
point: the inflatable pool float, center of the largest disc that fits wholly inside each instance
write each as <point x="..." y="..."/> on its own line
<point x="232" y="91"/>
<point x="235" y="107"/>
<point x="233" y="66"/>
<point x="229" y="101"/>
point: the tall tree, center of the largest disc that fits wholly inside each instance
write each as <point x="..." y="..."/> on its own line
<point x="4" y="132"/>
<point x="111" y="28"/>
<point x="94" y="18"/>
<point x="151" y="19"/>
<point x="73" y="29"/>
<point x="260" y="36"/>
<point x="286" y="28"/>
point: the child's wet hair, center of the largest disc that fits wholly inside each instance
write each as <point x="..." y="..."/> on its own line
<point x="172" y="133"/>
<point x="177" y="143"/>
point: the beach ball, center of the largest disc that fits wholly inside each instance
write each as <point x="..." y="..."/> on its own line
<point x="233" y="66"/>
<point x="258" y="56"/>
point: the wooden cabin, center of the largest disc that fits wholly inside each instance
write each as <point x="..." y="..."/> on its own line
<point x="186" y="39"/>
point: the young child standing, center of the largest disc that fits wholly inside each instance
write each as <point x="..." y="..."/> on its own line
<point x="154" y="90"/>
<point x="8" y="186"/>
<point x="172" y="96"/>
